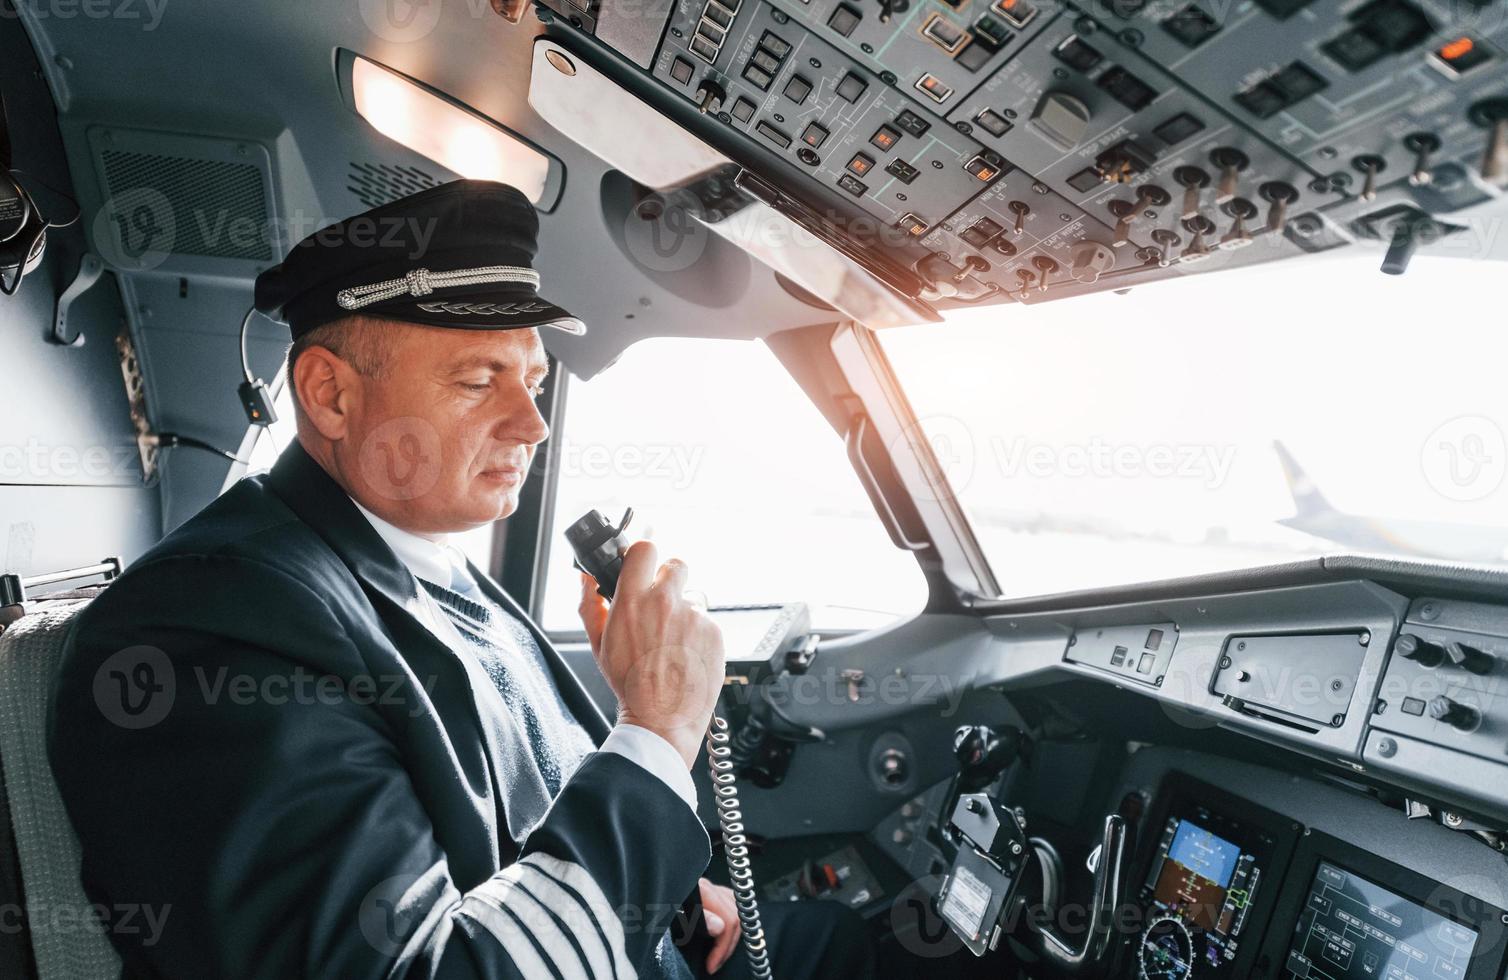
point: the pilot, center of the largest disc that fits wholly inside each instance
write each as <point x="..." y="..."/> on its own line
<point x="316" y="741"/>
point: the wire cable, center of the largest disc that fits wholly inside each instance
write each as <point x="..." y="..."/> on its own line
<point x="736" y="849"/>
<point x="245" y="363"/>
<point x="169" y="440"/>
<point x="78" y="211"/>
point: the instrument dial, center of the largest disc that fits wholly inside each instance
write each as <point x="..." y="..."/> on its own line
<point x="1167" y="950"/>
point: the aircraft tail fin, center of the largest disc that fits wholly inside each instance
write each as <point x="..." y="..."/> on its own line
<point x="1307" y="499"/>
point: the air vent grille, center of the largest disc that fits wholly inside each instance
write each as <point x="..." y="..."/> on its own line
<point x="218" y="208"/>
<point x="376" y="184"/>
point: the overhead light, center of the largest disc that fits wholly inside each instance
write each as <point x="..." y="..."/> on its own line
<point x="450" y="134"/>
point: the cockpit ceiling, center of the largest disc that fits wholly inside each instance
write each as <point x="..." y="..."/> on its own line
<point x="960" y="153"/>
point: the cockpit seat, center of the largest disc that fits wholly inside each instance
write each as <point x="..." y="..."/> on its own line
<point x="39" y="853"/>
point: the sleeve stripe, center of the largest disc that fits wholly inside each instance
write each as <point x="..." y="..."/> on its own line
<point x="574" y="877"/>
<point x="547" y="935"/>
<point x="578" y="922"/>
<point x="509" y="934"/>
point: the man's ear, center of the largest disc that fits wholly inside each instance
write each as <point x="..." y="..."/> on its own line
<point x="326" y="389"/>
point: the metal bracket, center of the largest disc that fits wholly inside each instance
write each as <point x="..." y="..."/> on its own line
<point x="90" y="268"/>
<point x="13" y="588"/>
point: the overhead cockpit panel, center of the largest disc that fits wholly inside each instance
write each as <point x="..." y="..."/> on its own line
<point x="1029" y="149"/>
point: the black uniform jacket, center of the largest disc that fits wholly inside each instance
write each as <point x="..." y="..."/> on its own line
<point x="259" y="741"/>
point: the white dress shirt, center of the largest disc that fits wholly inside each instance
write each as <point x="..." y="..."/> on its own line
<point x="440" y="562"/>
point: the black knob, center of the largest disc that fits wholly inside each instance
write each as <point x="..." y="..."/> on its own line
<point x="1422" y="652"/>
<point x="983" y="753"/>
<point x="1454" y="713"/>
<point x="1469" y="657"/>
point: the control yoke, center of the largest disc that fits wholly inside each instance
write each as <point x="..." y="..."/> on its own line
<point x="982" y="888"/>
<point x="1097" y="948"/>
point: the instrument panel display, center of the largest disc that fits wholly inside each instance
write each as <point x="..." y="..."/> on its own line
<point x="1209" y="885"/>
<point x="1354" y="929"/>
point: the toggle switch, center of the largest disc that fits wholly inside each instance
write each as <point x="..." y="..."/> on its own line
<point x="1230" y="162"/>
<point x="709" y="97"/>
<point x="1469" y="658"/>
<point x="1124" y="213"/>
<point x="1193" y="181"/>
<point x="1198" y="226"/>
<point x="1422" y="146"/>
<point x="1420" y="651"/>
<point x="1369" y="165"/>
<point x="1167" y="239"/>
<point x="971" y="265"/>
<point x="1454" y="713"/>
<point x="1027" y="278"/>
<point x="1278" y="195"/>
<point x="1148" y="196"/>
<point x="1046" y="266"/>
<point x="1492" y="115"/>
<point x="1021" y="210"/>
<point x="1241" y="211"/>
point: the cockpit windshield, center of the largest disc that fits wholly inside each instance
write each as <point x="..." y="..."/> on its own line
<point x="1222" y="422"/>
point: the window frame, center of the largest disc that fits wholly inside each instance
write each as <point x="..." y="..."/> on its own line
<point x="862" y="380"/>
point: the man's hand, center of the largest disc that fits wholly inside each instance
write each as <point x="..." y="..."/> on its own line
<point x="661" y="655"/>
<point x="721" y="910"/>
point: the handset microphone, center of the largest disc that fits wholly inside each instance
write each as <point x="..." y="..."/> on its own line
<point x="599" y="548"/>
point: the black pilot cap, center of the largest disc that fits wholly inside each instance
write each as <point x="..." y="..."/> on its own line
<point x="458" y="255"/>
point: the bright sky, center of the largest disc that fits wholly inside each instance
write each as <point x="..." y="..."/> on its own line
<point x="1122" y="437"/>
